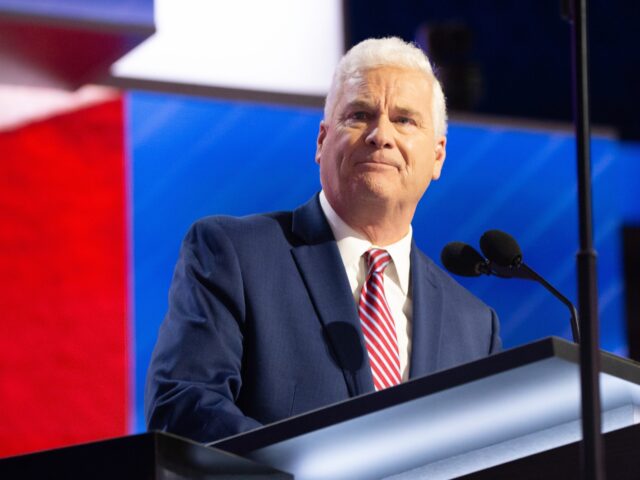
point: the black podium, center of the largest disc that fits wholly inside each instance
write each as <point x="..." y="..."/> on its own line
<point x="513" y="415"/>
<point x="149" y="456"/>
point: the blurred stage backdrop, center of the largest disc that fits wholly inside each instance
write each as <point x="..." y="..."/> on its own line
<point x="98" y="187"/>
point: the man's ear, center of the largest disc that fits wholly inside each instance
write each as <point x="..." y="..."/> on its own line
<point x="441" y="153"/>
<point x="322" y="134"/>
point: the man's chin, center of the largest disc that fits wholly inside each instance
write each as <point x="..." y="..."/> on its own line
<point x="374" y="188"/>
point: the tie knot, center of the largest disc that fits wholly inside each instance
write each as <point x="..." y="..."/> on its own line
<point x="377" y="260"/>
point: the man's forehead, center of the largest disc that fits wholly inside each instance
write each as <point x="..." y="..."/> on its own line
<point x="369" y="87"/>
<point x="368" y="78"/>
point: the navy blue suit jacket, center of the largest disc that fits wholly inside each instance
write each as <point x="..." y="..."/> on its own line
<point x="262" y="325"/>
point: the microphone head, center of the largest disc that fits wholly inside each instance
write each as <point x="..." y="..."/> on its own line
<point x="462" y="259"/>
<point x="501" y="248"/>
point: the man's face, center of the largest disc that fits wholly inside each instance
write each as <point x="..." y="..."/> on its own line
<point x="379" y="142"/>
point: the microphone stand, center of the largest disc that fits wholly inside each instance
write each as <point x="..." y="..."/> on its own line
<point x="592" y="451"/>
<point x="523" y="271"/>
<point x="575" y="329"/>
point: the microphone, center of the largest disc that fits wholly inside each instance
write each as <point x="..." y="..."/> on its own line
<point x="502" y="250"/>
<point x="464" y="260"/>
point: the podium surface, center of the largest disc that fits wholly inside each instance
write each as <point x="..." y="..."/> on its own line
<point x="514" y="404"/>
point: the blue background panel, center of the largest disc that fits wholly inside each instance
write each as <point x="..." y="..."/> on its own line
<point x="193" y="157"/>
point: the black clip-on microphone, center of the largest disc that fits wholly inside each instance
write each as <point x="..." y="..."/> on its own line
<point x="504" y="259"/>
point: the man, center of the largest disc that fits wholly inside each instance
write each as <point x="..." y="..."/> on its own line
<point x="273" y="315"/>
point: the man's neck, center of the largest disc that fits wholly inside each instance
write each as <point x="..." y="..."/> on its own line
<point x="381" y="224"/>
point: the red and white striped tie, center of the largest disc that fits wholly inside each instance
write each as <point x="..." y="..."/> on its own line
<point x="377" y="323"/>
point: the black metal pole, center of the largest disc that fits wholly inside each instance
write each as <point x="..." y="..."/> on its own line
<point x="592" y="451"/>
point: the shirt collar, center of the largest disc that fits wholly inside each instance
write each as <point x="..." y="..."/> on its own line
<point x="352" y="244"/>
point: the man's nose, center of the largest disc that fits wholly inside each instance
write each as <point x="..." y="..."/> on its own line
<point x="381" y="133"/>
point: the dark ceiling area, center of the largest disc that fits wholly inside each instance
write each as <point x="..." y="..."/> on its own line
<point x="513" y="58"/>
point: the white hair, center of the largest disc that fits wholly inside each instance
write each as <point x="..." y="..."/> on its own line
<point x="391" y="52"/>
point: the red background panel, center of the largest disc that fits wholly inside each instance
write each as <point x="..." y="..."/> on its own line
<point x="63" y="281"/>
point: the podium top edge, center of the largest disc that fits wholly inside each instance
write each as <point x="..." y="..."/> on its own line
<point x="536" y="351"/>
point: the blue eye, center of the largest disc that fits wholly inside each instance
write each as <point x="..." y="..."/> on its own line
<point x="359" y="115"/>
<point x="405" y="121"/>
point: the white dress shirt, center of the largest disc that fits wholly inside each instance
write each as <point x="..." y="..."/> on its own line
<point x="352" y="246"/>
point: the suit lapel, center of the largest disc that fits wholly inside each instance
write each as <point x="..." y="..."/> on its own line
<point x="427" y="316"/>
<point x="320" y="265"/>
